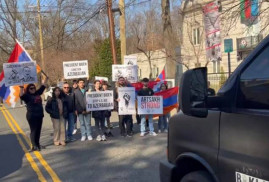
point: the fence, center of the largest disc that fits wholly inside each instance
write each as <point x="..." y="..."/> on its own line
<point x="217" y="80"/>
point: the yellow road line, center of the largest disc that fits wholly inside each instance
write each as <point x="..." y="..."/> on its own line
<point x="27" y="154"/>
<point x="51" y="172"/>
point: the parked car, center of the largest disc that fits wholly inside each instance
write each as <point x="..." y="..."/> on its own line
<point x="223" y="137"/>
<point x="48" y="93"/>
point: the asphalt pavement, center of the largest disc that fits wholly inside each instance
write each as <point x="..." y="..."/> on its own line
<point x="120" y="159"/>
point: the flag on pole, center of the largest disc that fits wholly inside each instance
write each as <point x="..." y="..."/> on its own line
<point x="249" y="8"/>
<point x="161" y="76"/>
<point x="10" y="94"/>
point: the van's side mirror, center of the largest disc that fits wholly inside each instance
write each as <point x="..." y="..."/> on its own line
<point x="193" y="92"/>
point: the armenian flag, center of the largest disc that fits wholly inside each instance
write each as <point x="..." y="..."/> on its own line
<point x="249" y="8"/>
<point x="10" y="94"/>
<point x="161" y="76"/>
<point x="170" y="99"/>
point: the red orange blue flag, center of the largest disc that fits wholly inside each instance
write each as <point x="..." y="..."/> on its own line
<point x="10" y="94"/>
<point x="161" y="76"/>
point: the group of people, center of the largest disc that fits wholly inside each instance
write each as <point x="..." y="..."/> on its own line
<point x="67" y="105"/>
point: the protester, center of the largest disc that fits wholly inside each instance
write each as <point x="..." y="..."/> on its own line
<point x="72" y="90"/>
<point x="146" y="91"/>
<point x="123" y="119"/>
<point x="35" y="114"/>
<point x="99" y="116"/>
<point x="210" y="91"/>
<point x="107" y="113"/>
<point x="70" y="120"/>
<point x="80" y="110"/>
<point x="163" y="119"/>
<point x="57" y="108"/>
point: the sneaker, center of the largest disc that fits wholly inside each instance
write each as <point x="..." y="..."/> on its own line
<point x="90" y="138"/>
<point x="70" y="139"/>
<point x="103" y="138"/>
<point x="98" y="138"/>
<point x="165" y="131"/>
<point x="159" y="131"/>
<point x="153" y="133"/>
<point x="129" y="135"/>
<point x="83" y="138"/>
<point x="142" y="134"/>
<point x="75" y="131"/>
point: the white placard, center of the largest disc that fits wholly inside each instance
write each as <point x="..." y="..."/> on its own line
<point x="150" y="105"/>
<point x="76" y="69"/>
<point x="127" y="100"/>
<point x="101" y="78"/>
<point x="98" y="101"/>
<point x="129" y="72"/>
<point x="130" y="60"/>
<point x="20" y="73"/>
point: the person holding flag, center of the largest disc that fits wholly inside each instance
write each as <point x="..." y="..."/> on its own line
<point x="32" y="97"/>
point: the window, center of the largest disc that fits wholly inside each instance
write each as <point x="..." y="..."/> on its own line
<point x="196" y="36"/>
<point x="216" y="66"/>
<point x="254" y="83"/>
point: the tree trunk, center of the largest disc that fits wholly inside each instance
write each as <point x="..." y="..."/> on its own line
<point x="169" y="40"/>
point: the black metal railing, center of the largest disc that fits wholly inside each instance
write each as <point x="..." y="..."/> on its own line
<point x="217" y="80"/>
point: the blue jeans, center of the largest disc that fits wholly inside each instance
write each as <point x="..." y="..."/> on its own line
<point x="163" y="120"/>
<point x="70" y="124"/>
<point x="85" y="124"/>
<point x="143" y="123"/>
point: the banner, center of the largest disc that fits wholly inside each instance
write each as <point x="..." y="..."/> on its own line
<point x="212" y="31"/>
<point x="127" y="100"/>
<point x="98" y="101"/>
<point x="76" y="69"/>
<point x="20" y="73"/>
<point x="150" y="105"/>
<point x="101" y="78"/>
<point x="130" y="60"/>
<point x="129" y="72"/>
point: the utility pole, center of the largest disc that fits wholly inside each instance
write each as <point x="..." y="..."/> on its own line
<point x="122" y="30"/>
<point x="40" y="36"/>
<point x="111" y="30"/>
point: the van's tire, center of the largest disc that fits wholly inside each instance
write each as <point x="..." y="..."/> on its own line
<point x="197" y="176"/>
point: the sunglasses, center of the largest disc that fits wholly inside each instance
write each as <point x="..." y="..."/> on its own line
<point x="66" y="87"/>
<point x="32" y="88"/>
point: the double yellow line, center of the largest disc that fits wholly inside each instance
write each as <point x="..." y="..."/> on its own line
<point x="18" y="131"/>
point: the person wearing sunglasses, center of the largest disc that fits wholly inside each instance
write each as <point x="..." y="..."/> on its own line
<point x="32" y="97"/>
<point x="70" y="121"/>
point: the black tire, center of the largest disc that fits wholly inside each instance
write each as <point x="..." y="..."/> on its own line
<point x="197" y="176"/>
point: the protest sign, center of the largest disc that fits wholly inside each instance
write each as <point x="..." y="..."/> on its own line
<point x="129" y="72"/>
<point x="101" y="78"/>
<point x="130" y="60"/>
<point x="150" y="105"/>
<point x="20" y="73"/>
<point x="98" y="101"/>
<point x="76" y="69"/>
<point x="127" y="100"/>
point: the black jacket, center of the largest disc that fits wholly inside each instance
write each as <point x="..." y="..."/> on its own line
<point x="34" y="104"/>
<point x="145" y="92"/>
<point x="98" y="114"/>
<point x="80" y="100"/>
<point x="53" y="109"/>
<point x="69" y="99"/>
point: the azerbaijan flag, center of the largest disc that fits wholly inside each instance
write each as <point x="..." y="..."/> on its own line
<point x="249" y="8"/>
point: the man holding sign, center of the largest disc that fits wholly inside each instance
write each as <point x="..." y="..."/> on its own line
<point x="146" y="91"/>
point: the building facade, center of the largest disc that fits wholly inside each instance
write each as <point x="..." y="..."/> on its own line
<point x="207" y="24"/>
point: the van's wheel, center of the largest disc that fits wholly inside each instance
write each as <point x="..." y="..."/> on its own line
<point x="197" y="176"/>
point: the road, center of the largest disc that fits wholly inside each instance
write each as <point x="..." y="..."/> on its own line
<point x="119" y="159"/>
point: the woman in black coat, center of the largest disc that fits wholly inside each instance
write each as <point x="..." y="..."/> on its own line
<point x="57" y="108"/>
<point x="35" y="114"/>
